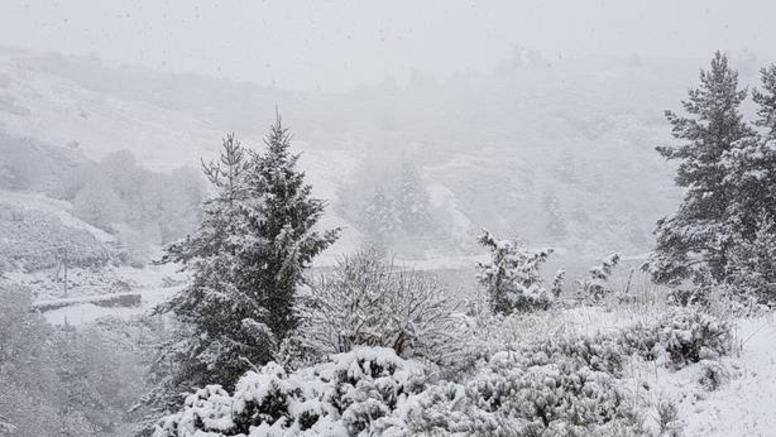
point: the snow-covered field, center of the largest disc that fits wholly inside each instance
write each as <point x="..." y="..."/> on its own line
<point x="741" y="406"/>
<point x="744" y="405"/>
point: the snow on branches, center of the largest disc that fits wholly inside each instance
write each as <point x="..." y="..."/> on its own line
<point x="512" y="276"/>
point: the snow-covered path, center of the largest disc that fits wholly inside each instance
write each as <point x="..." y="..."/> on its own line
<point x="86" y="312"/>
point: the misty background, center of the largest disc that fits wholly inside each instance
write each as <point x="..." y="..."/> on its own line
<point x="419" y="123"/>
<point x="536" y="120"/>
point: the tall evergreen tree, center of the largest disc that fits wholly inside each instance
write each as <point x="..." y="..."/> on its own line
<point x="752" y="168"/>
<point x="381" y="217"/>
<point x="413" y="202"/>
<point x="285" y="225"/>
<point x="695" y="242"/>
<point x="556" y="224"/>
<point x="257" y="237"/>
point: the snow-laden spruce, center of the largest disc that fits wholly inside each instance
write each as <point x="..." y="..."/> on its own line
<point x="258" y="235"/>
<point x="721" y="233"/>
<point x="594" y="285"/>
<point x="512" y="276"/>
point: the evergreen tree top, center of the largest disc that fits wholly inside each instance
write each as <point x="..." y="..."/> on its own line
<point x="713" y="125"/>
<point x="278" y="141"/>
<point x="766" y="99"/>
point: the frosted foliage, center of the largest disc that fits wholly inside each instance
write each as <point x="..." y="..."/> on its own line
<point x="365" y="301"/>
<point x="512" y="276"/>
<point x="548" y="389"/>
<point x="594" y="285"/>
<point x="691" y="336"/>
<point x="359" y="393"/>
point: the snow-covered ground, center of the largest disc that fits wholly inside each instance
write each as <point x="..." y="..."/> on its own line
<point x="743" y="406"/>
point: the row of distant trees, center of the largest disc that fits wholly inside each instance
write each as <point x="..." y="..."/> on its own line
<point x="116" y="194"/>
<point x="399" y="206"/>
<point x="119" y="195"/>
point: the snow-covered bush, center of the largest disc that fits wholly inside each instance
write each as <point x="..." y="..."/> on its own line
<point x="366" y="301"/>
<point x="714" y="375"/>
<point x="688" y="296"/>
<point x="512" y="276"/>
<point x="359" y="393"/>
<point x="506" y="398"/>
<point x="690" y="336"/>
<point x="601" y="353"/>
<point x="560" y="386"/>
<point x="595" y="284"/>
<point x="59" y="381"/>
<point x="6" y="429"/>
<point x="640" y="339"/>
<point x="668" y="419"/>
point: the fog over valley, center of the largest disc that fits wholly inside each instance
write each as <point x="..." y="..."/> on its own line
<point x="350" y="219"/>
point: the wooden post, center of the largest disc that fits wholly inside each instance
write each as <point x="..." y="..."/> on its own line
<point x="65" y="261"/>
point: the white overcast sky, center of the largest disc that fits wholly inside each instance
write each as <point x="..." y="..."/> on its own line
<point x="333" y="45"/>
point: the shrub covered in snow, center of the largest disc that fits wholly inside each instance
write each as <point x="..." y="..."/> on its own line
<point x="507" y="398"/>
<point x="601" y="353"/>
<point x="512" y="276"/>
<point x="6" y="429"/>
<point x="366" y="301"/>
<point x="714" y="375"/>
<point x="691" y="336"/>
<point x="668" y="419"/>
<point x="688" y="296"/>
<point x="563" y="385"/>
<point x="595" y="284"/>
<point x="359" y="393"/>
<point x="640" y="339"/>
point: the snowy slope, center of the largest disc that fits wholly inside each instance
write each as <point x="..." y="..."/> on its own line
<point x="60" y="209"/>
<point x="492" y="146"/>
<point x="35" y="231"/>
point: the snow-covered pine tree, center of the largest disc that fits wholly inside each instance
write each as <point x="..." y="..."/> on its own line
<point x="512" y="276"/>
<point x="214" y="314"/>
<point x="556" y="224"/>
<point x="594" y="285"/>
<point x="694" y="242"/>
<point x="285" y="226"/>
<point x="257" y="236"/>
<point x="751" y="167"/>
<point x="381" y="217"/>
<point x="753" y="261"/>
<point x="413" y="202"/>
<point x="766" y="99"/>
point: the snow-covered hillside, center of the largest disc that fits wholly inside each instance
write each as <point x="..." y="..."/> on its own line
<point x="567" y="140"/>
<point x="36" y="232"/>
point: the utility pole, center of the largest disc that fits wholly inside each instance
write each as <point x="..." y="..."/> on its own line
<point x="63" y="261"/>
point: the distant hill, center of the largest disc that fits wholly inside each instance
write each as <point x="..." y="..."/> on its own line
<point x="39" y="232"/>
<point x="557" y="152"/>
